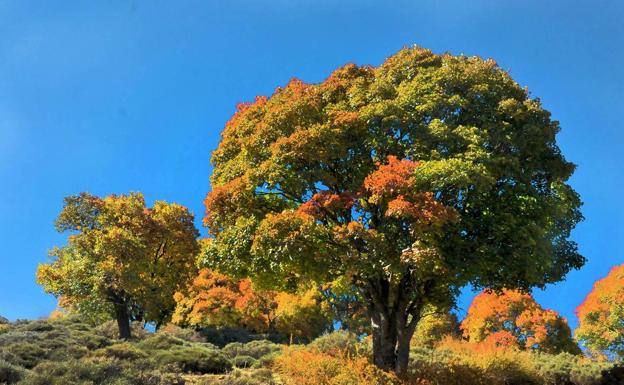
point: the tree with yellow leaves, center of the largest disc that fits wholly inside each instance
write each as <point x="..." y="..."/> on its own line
<point x="122" y="258"/>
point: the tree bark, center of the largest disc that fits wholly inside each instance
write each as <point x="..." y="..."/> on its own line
<point x="123" y="321"/>
<point x="405" y="332"/>
<point x="393" y="325"/>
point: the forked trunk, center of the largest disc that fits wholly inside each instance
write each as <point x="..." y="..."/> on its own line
<point x="391" y="340"/>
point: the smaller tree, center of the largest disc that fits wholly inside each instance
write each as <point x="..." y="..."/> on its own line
<point x="514" y="318"/>
<point x="601" y="316"/>
<point x="122" y="258"/>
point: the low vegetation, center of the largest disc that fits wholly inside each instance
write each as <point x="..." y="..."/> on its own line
<point x="69" y="351"/>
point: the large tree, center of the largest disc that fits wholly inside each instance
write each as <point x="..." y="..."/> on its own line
<point x="601" y="316"/>
<point x="122" y="258"/>
<point x="409" y="180"/>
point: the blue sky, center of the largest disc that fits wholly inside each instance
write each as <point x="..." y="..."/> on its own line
<point x="118" y="96"/>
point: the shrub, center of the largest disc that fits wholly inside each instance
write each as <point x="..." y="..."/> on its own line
<point x="69" y="351"/>
<point x="300" y="366"/>
<point x="99" y="371"/>
<point x="337" y="343"/>
<point x="255" y="349"/>
<point x="181" y="333"/>
<point x="4" y="328"/>
<point x="24" y="354"/>
<point x="565" y="368"/>
<point x="72" y="372"/>
<point x="243" y="361"/>
<point x="238" y="377"/>
<point x="122" y="351"/>
<point x="266" y="361"/>
<point x="456" y="362"/>
<point x="224" y="336"/>
<point x="89" y="340"/>
<point x="38" y="326"/>
<point x="193" y="360"/>
<point x="160" y="341"/>
<point x="9" y="373"/>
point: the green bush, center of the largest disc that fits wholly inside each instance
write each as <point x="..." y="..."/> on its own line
<point x="193" y="359"/>
<point x="338" y="342"/>
<point x="99" y="371"/>
<point x="565" y="368"/>
<point x="160" y="341"/>
<point x="89" y="340"/>
<point x="255" y="349"/>
<point x="224" y="336"/>
<point x="9" y="373"/>
<point x="189" y="335"/>
<point x="38" y="326"/>
<point x="243" y="361"/>
<point x="122" y="351"/>
<point x="24" y="354"/>
<point x="266" y="361"/>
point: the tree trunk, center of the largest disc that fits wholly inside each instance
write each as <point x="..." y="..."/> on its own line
<point x="123" y="321"/>
<point x="384" y="341"/>
<point x="391" y="341"/>
<point x="405" y="332"/>
<point x="394" y="317"/>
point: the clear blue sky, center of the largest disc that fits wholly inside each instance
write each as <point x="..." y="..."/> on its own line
<point x="115" y="96"/>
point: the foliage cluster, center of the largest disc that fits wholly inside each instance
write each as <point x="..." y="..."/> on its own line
<point x="601" y="316"/>
<point x="216" y="300"/>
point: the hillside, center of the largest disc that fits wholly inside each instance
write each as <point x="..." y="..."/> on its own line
<point x="69" y="351"/>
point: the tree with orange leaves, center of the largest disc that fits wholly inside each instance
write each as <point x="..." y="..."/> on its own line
<point x="601" y="316"/>
<point x="407" y="180"/>
<point x="210" y="301"/>
<point x="216" y="300"/>
<point x="513" y="319"/>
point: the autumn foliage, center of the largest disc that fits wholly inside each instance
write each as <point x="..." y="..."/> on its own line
<point x="122" y="258"/>
<point x="601" y="316"/>
<point x="513" y="319"/>
<point x="298" y="366"/>
<point x="216" y="300"/>
<point x="408" y="180"/>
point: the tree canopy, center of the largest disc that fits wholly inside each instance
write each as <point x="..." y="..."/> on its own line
<point x="601" y="316"/>
<point x="409" y="180"/>
<point x="514" y="318"/>
<point x="122" y="258"/>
